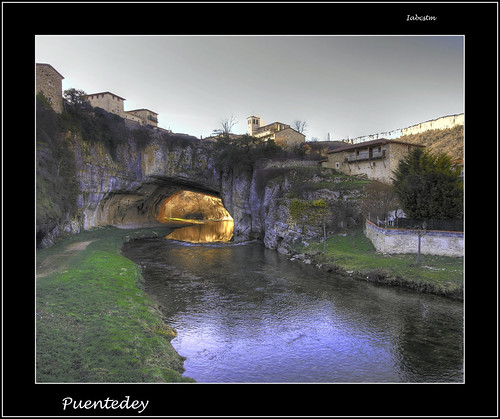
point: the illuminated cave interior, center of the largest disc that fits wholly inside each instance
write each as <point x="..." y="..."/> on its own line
<point x="209" y="220"/>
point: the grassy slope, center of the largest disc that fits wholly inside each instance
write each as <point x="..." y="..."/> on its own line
<point x="449" y="141"/>
<point x="354" y="252"/>
<point x="96" y="324"/>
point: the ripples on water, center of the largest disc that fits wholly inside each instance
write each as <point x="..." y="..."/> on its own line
<point x="244" y="313"/>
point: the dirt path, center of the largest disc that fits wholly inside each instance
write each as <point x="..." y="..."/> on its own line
<point x="58" y="261"/>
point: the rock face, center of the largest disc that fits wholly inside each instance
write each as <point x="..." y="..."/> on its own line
<point x="127" y="191"/>
<point x="129" y="188"/>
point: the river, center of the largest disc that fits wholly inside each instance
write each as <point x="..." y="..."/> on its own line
<point x="244" y="313"/>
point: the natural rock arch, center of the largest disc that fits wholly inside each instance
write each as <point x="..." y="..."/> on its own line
<point x="140" y="206"/>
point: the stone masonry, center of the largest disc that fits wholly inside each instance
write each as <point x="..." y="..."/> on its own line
<point x="392" y="241"/>
<point x="49" y="82"/>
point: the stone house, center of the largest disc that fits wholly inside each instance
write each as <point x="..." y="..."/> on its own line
<point x="376" y="159"/>
<point x="107" y="101"/>
<point x="113" y="103"/>
<point x="143" y="116"/>
<point x="282" y="134"/>
<point x="49" y="82"/>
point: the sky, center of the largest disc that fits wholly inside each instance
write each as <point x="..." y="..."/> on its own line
<point x="345" y="86"/>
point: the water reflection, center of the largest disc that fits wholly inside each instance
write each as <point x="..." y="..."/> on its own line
<point x="246" y="314"/>
<point x="208" y="232"/>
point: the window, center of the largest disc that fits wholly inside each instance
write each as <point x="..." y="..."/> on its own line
<point x="337" y="165"/>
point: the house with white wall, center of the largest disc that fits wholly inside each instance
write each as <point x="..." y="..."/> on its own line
<point x="376" y="160"/>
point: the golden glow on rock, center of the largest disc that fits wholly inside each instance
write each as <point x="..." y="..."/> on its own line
<point x="211" y="222"/>
<point x="192" y="207"/>
<point x="208" y="232"/>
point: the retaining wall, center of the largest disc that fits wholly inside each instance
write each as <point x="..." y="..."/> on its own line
<point x="434" y="242"/>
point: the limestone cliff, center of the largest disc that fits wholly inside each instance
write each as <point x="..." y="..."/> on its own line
<point x="126" y="186"/>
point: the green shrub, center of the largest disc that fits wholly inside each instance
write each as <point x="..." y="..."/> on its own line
<point x="297" y="209"/>
<point x="242" y="152"/>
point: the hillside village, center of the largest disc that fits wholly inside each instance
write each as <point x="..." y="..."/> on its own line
<point x="49" y="82"/>
<point x="372" y="156"/>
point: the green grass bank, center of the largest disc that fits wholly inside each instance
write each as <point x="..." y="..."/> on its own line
<point x="353" y="254"/>
<point x="94" y="321"/>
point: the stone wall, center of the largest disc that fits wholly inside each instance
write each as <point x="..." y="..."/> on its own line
<point x="107" y="101"/>
<point x="49" y="82"/>
<point x="288" y="137"/>
<point x="392" y="240"/>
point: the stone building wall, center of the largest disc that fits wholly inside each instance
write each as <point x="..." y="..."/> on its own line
<point x="380" y="169"/>
<point x="49" y="82"/>
<point x="288" y="137"/>
<point x="107" y="101"/>
<point x="145" y="116"/>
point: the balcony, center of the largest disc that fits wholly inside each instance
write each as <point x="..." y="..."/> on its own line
<point x="152" y="118"/>
<point x="365" y="155"/>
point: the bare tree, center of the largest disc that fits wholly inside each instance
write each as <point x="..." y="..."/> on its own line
<point x="379" y="199"/>
<point x="226" y="125"/>
<point x="299" y="126"/>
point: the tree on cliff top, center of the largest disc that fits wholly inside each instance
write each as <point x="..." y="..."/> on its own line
<point x="428" y="186"/>
<point x="76" y="99"/>
<point x="226" y="126"/>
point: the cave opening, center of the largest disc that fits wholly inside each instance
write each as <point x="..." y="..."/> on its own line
<point x="202" y="218"/>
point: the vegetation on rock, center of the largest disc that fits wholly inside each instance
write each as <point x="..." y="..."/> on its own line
<point x="242" y="152"/>
<point x="56" y="183"/>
